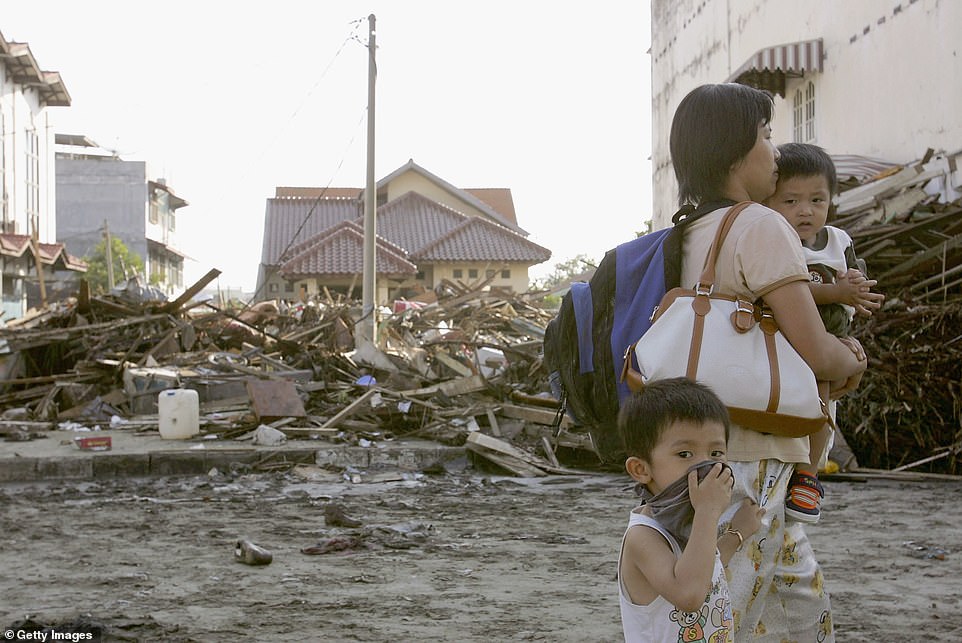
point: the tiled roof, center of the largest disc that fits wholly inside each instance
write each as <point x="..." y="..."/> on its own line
<point x="340" y="251"/>
<point x="479" y="240"/>
<point x="463" y="195"/>
<point x="413" y="221"/>
<point x="315" y="192"/>
<point x="292" y="221"/>
<point x="50" y="254"/>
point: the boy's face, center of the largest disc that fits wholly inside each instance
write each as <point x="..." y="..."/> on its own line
<point x="682" y="444"/>
<point x="804" y="202"/>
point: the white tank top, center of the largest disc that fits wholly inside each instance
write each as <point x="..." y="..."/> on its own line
<point x="660" y="621"/>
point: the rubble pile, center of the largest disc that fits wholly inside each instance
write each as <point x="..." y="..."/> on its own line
<point x="466" y="362"/>
<point x="906" y="414"/>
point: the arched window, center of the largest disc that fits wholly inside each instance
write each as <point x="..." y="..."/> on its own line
<point x="803" y="114"/>
<point x="810" y="112"/>
<point x="798" y="117"/>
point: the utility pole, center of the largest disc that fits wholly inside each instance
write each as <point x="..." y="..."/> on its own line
<point x="35" y="241"/>
<point x="368" y="326"/>
<point x="109" y="248"/>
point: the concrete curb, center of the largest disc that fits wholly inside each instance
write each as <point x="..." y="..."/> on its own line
<point x="152" y="457"/>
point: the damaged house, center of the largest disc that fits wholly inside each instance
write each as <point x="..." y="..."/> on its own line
<point x="428" y="231"/>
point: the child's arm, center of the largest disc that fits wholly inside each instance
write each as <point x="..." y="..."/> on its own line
<point x="852" y="288"/>
<point x="684" y="582"/>
<point x="746" y="521"/>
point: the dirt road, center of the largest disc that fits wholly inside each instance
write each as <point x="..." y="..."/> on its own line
<point x="455" y="557"/>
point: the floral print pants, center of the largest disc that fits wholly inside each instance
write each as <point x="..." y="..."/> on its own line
<point x="775" y="583"/>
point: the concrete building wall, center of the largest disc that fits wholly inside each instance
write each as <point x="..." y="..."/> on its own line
<point x="468" y="273"/>
<point x="411" y="181"/>
<point x="23" y="115"/>
<point x="888" y="87"/>
<point x="92" y="190"/>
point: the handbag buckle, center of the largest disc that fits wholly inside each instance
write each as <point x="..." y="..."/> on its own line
<point x="704" y="290"/>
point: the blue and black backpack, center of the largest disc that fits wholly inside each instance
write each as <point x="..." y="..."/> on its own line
<point x="584" y="345"/>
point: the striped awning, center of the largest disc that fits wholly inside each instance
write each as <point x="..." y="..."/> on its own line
<point x="768" y="68"/>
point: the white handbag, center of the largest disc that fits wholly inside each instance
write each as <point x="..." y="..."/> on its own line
<point x="734" y="347"/>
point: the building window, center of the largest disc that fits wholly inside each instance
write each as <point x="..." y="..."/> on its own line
<point x="288" y="286"/>
<point x="458" y="273"/>
<point x="272" y="287"/>
<point x="506" y="274"/>
<point x="33" y="178"/>
<point x="420" y="275"/>
<point x="488" y="274"/>
<point x="472" y="273"/>
<point x="803" y="114"/>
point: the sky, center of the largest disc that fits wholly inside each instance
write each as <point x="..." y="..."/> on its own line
<point x="229" y="100"/>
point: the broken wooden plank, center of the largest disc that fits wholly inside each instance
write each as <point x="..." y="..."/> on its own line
<point x="538" y="416"/>
<point x="493" y="421"/>
<point x="453" y="364"/>
<point x="451" y="388"/>
<point x="188" y="294"/>
<point x="491" y="443"/>
<point x="549" y="451"/>
<point x="350" y="409"/>
<point x="515" y="465"/>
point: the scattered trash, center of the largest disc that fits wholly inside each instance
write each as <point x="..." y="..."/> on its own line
<point x="334" y="516"/>
<point x="250" y="554"/>
<point x="919" y="550"/>
<point x="338" y="543"/>
<point x="94" y="443"/>
<point x="268" y="436"/>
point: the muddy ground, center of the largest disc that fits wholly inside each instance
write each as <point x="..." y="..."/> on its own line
<point x="462" y="556"/>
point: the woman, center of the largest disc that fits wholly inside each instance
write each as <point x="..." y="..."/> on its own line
<point x="722" y="154"/>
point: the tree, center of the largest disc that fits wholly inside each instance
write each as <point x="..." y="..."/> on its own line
<point x="125" y="263"/>
<point x="566" y="270"/>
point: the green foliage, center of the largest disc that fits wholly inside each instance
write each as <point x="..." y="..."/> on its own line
<point x="125" y="263"/>
<point x="566" y="270"/>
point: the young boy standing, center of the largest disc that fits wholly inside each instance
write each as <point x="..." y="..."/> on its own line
<point x="803" y="195"/>
<point x="671" y="579"/>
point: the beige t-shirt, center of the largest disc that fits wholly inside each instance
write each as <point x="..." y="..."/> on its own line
<point x="760" y="253"/>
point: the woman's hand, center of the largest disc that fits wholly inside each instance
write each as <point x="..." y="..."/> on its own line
<point x="748" y="518"/>
<point x="839" y="388"/>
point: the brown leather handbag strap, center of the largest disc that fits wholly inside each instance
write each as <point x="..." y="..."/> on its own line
<point x="708" y="271"/>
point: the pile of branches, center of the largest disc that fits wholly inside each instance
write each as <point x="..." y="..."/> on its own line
<point x="906" y="414"/>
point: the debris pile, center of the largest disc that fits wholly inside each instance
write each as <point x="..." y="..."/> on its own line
<point x="443" y="370"/>
<point x="906" y="413"/>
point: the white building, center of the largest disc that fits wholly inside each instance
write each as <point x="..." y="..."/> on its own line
<point x="27" y="180"/>
<point x="859" y="77"/>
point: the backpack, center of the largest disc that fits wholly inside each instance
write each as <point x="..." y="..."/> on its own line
<point x="585" y="343"/>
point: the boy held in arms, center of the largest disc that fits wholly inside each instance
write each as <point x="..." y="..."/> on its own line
<point x="671" y="577"/>
<point x="806" y="184"/>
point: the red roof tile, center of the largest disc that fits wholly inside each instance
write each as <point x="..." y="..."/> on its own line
<point x="479" y="240"/>
<point x="290" y="221"/>
<point x="340" y="251"/>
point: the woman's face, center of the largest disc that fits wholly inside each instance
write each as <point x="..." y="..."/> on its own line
<point x="755" y="175"/>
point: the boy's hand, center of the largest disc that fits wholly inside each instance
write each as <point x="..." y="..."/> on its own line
<point x="748" y="518"/>
<point x="714" y="492"/>
<point x="856" y="291"/>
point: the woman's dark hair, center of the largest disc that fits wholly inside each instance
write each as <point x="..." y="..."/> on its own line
<point x="714" y="127"/>
<point x="804" y="159"/>
<point x="644" y="416"/>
